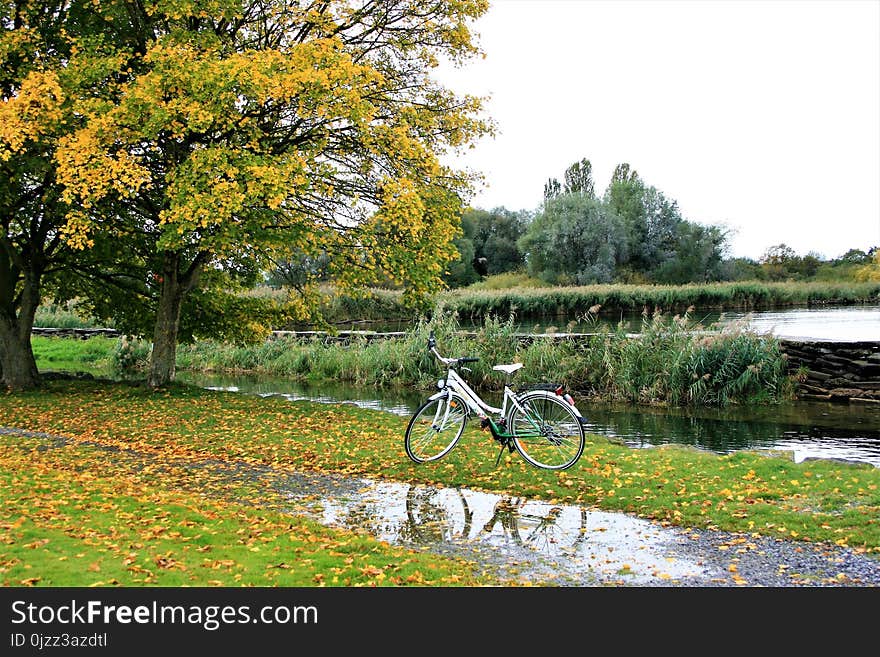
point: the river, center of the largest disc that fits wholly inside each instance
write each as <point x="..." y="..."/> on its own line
<point x="851" y="323"/>
<point x="807" y="429"/>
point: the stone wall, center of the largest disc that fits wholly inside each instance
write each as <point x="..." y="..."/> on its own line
<point x="836" y="371"/>
<point x="81" y="333"/>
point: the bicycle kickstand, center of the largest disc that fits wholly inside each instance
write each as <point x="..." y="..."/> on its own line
<point x="498" y="460"/>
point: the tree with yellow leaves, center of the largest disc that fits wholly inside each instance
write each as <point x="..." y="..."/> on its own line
<point x="39" y="77"/>
<point x="871" y="271"/>
<point x="235" y="132"/>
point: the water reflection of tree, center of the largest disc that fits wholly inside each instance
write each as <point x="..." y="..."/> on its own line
<point x="430" y="520"/>
<point x="366" y="516"/>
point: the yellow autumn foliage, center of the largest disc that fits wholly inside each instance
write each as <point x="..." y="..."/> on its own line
<point x="31" y="113"/>
<point x="869" y="272"/>
<point x="278" y="125"/>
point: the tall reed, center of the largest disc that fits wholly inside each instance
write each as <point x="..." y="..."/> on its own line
<point x="529" y="301"/>
<point x="672" y="360"/>
<point x="53" y="315"/>
<point x="749" y="295"/>
<point x="677" y="362"/>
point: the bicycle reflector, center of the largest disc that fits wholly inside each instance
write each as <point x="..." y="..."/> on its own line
<point x="560" y="391"/>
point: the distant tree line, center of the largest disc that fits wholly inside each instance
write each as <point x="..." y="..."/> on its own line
<point x="781" y="263"/>
<point x="632" y="233"/>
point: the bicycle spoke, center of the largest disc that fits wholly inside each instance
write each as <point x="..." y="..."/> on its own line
<point x="546" y="432"/>
<point x="435" y="429"/>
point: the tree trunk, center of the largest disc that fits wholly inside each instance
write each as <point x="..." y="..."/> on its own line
<point x="18" y="367"/>
<point x="175" y="286"/>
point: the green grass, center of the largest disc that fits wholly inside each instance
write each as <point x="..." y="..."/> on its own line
<point x="820" y="501"/>
<point x="93" y="355"/>
<point x="77" y="516"/>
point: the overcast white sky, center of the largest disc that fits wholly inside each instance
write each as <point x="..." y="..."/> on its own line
<point x="761" y="115"/>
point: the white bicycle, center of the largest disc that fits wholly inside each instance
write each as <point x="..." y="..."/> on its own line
<point x="542" y="424"/>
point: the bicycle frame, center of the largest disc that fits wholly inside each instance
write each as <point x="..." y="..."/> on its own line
<point x="455" y="383"/>
<point x="475" y="403"/>
<point x="525" y="421"/>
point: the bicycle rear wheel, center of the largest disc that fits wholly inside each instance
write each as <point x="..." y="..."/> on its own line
<point x="546" y="431"/>
<point x="435" y="428"/>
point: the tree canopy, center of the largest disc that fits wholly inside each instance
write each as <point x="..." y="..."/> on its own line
<point x="488" y="240"/>
<point x="225" y="135"/>
<point x="575" y="240"/>
<point x="634" y="232"/>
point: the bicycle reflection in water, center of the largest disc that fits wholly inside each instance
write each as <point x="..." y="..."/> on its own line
<point x="446" y="515"/>
<point x="431" y="516"/>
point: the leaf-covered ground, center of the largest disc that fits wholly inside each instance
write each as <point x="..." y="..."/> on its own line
<point x="154" y="524"/>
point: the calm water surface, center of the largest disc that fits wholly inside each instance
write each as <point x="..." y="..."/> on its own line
<point x="807" y="429"/>
<point x="834" y="323"/>
<point x="844" y="324"/>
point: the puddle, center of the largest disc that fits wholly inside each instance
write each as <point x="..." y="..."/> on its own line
<point x="567" y="544"/>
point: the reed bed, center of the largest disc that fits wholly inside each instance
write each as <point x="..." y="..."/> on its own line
<point x="493" y="297"/>
<point x="567" y="301"/>
<point x="672" y="361"/>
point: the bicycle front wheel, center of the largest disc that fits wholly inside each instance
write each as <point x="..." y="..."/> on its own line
<point x="435" y="428"/>
<point x="546" y="431"/>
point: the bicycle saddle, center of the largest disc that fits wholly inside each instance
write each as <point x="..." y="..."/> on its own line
<point x="508" y="369"/>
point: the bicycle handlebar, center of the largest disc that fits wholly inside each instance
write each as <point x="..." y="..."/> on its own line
<point x="432" y="347"/>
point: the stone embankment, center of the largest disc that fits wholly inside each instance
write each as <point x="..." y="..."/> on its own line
<point x="836" y="371"/>
<point x="80" y="333"/>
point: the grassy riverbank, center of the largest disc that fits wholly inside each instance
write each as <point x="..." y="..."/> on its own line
<point x="79" y="515"/>
<point x="81" y="500"/>
<point x="670" y="362"/>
